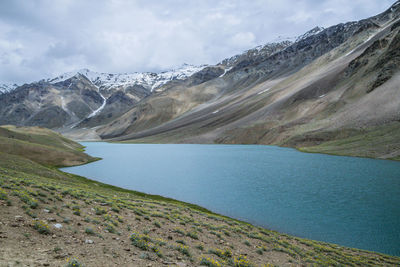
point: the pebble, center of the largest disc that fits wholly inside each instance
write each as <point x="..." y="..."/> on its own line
<point x="88" y="241"/>
<point x="60" y="256"/>
<point x="46" y="210"/>
<point x="58" y="225"/>
<point x="19" y="218"/>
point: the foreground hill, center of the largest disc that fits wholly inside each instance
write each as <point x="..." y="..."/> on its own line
<point x="42" y="146"/>
<point x="51" y="218"/>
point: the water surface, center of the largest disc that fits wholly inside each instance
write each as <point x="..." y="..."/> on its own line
<point x="345" y="200"/>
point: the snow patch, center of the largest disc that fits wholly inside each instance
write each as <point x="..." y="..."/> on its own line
<point x="7" y="87"/>
<point x="216" y="111"/>
<point x="225" y="71"/>
<point x="266" y="90"/>
<point x="311" y="32"/>
<point x="100" y="108"/>
<point x="149" y="80"/>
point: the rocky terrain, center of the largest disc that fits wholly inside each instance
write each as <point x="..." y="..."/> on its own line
<point x="52" y="218"/>
<point x="81" y="99"/>
<point x="326" y="91"/>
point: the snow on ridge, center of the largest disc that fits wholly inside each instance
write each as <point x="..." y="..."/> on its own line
<point x="7" y="87"/>
<point x="149" y="80"/>
<point x="311" y="32"/>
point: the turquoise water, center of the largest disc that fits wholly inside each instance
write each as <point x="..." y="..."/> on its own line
<point x="344" y="200"/>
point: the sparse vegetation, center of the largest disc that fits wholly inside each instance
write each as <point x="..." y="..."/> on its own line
<point x="74" y="263"/>
<point x="119" y="235"/>
<point x="42" y="227"/>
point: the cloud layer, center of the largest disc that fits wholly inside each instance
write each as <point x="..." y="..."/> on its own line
<point x="43" y="38"/>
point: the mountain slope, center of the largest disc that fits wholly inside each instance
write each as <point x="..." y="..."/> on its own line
<point x="52" y="218"/>
<point x="328" y="85"/>
<point x="332" y="84"/>
<point x="81" y="99"/>
<point x="42" y="146"/>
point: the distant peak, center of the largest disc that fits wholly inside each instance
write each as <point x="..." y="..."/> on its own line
<point x="148" y="80"/>
<point x="311" y="32"/>
<point x="7" y="87"/>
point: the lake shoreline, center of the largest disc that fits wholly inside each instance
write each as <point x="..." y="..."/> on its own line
<point x="230" y="214"/>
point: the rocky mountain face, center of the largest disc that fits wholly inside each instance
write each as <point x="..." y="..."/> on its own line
<point x="6" y="87"/>
<point x="325" y="90"/>
<point x="81" y="99"/>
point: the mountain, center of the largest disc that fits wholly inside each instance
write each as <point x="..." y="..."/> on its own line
<point x="7" y="87"/>
<point x="331" y="86"/>
<point x="332" y="90"/>
<point x="81" y="98"/>
<point x="148" y="80"/>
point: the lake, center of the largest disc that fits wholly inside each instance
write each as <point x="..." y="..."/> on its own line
<point x="349" y="201"/>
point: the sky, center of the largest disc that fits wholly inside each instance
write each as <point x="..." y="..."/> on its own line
<point x="45" y="38"/>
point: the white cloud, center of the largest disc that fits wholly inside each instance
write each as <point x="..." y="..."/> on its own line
<point x="42" y="38"/>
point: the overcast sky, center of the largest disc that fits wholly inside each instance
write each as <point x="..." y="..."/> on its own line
<point x="40" y="39"/>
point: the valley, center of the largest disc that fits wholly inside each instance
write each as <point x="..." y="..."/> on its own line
<point x="198" y="165"/>
<point x="325" y="88"/>
<point x="53" y="218"/>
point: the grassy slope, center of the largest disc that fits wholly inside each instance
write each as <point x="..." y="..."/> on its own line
<point x="165" y="231"/>
<point x="42" y="145"/>
<point x="378" y="142"/>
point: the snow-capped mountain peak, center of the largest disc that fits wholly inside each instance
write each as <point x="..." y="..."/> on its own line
<point x="7" y="87"/>
<point x="148" y="80"/>
<point x="311" y="32"/>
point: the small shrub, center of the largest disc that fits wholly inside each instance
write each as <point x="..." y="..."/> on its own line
<point x="89" y="231"/>
<point x="42" y="227"/>
<point x="193" y="235"/>
<point x="179" y="231"/>
<point x="157" y="224"/>
<point x="145" y="256"/>
<point x="156" y="250"/>
<point x="111" y="229"/>
<point x="183" y="249"/>
<point x="247" y="243"/>
<point x="30" y="213"/>
<point x="210" y="262"/>
<point x="3" y="194"/>
<point x="181" y="242"/>
<point x="225" y="254"/>
<point x="242" y="261"/>
<point x="200" y="247"/>
<point x="76" y="210"/>
<point x="115" y="208"/>
<point x="140" y="241"/>
<point x="161" y="242"/>
<point x="74" y="263"/>
<point x="100" y="211"/>
<point x="146" y="231"/>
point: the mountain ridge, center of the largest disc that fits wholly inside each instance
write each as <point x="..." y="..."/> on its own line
<point x="326" y="85"/>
